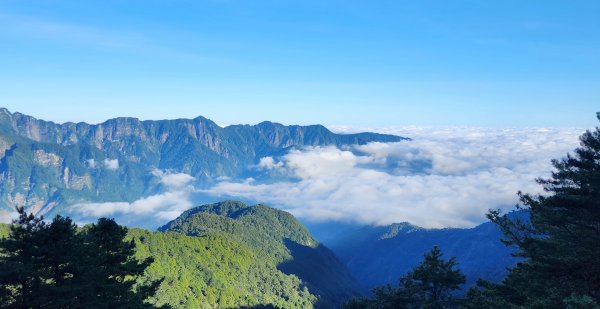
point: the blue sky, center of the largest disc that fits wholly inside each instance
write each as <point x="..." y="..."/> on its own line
<point x="360" y="63"/>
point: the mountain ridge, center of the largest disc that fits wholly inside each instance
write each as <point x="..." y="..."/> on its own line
<point x="378" y="255"/>
<point x="46" y="166"/>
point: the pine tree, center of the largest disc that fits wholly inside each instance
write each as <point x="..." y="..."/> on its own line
<point x="59" y="254"/>
<point x="560" y="242"/>
<point x="111" y="268"/>
<point x="429" y="285"/>
<point x="21" y="260"/>
<point x="55" y="266"/>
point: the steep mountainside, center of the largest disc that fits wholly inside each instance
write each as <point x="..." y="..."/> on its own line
<point x="279" y="240"/>
<point x="380" y="255"/>
<point x="45" y="165"/>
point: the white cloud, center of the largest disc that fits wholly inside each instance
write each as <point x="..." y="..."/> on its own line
<point x="269" y="164"/>
<point x="444" y="177"/>
<point x="112" y="165"/>
<point x="167" y="205"/>
<point x="8" y="216"/>
<point x="91" y="163"/>
<point x="173" y="180"/>
<point x="173" y="202"/>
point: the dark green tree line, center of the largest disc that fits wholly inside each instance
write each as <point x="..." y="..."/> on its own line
<point x="53" y="265"/>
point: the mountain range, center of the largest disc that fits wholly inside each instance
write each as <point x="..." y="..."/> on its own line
<point x="46" y="166"/>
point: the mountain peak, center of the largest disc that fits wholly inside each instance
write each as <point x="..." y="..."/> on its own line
<point x="403" y="228"/>
<point x="275" y="236"/>
<point x="5" y="114"/>
<point x="224" y="208"/>
<point x="122" y="120"/>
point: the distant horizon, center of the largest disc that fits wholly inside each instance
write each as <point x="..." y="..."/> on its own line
<point x="334" y="127"/>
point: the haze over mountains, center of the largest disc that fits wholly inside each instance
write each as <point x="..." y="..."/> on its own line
<point x="380" y="255"/>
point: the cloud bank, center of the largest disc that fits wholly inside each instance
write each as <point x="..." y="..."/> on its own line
<point x="164" y="206"/>
<point x="445" y="177"/>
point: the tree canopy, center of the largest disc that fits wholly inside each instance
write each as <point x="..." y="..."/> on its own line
<point x="54" y="265"/>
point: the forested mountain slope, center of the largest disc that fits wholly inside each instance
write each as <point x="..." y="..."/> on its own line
<point x="278" y="239"/>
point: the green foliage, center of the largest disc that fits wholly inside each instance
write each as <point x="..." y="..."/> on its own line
<point x="214" y="271"/>
<point x="559" y="242"/>
<point x="261" y="227"/>
<point x="4" y="230"/>
<point x="428" y="285"/>
<point x="277" y="240"/>
<point x="52" y="265"/>
<point x="110" y="268"/>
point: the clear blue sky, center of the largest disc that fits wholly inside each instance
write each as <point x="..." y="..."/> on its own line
<point x="496" y="63"/>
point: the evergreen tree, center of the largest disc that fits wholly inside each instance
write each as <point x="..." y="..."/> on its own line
<point x="60" y="257"/>
<point x="429" y="285"/>
<point x="111" y="269"/>
<point x="54" y="266"/>
<point x="432" y="282"/>
<point x="38" y="262"/>
<point x="560" y="242"/>
<point x="20" y="261"/>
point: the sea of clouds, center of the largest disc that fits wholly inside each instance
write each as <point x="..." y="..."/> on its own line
<point x="443" y="177"/>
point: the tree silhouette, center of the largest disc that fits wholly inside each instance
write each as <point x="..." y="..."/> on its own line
<point x="21" y="258"/>
<point x="111" y="268"/>
<point x="429" y="285"/>
<point x="559" y="241"/>
<point x="55" y="265"/>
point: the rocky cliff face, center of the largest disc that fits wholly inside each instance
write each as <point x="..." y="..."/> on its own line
<point x="44" y="165"/>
